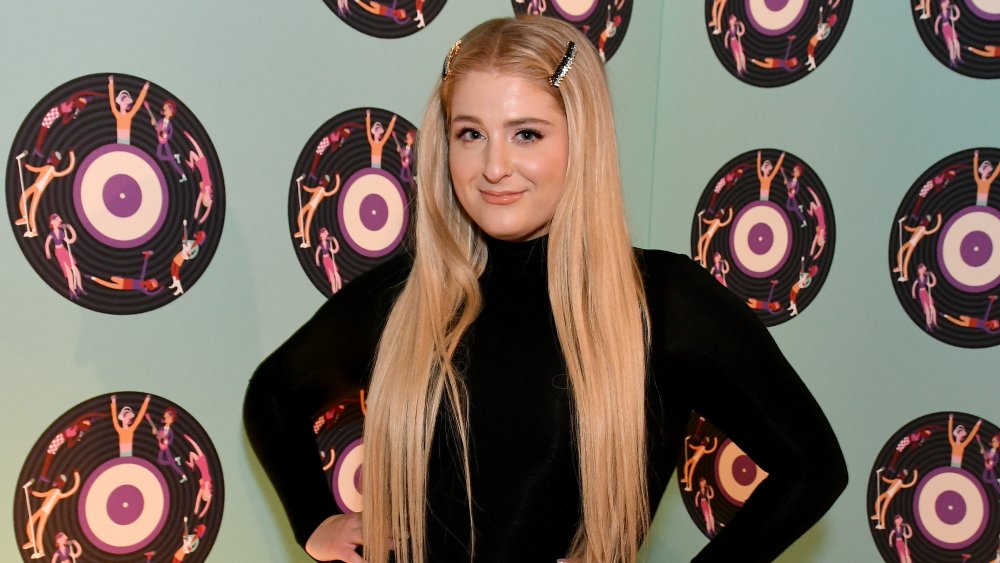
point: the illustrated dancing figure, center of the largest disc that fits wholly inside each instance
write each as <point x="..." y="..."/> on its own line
<point x="165" y="440"/>
<point x="937" y="184"/>
<point x="699" y="450"/>
<point x="189" y="542"/>
<point x="148" y="287"/>
<point x="66" y="111"/>
<point x="988" y="51"/>
<point x="196" y="160"/>
<point x="703" y="500"/>
<point x="69" y="437"/>
<point x="330" y="142"/>
<point x="898" y="537"/>
<point x="924" y="7"/>
<point x="397" y="15"/>
<point x="714" y="224"/>
<point x="914" y="440"/>
<point x="164" y="134"/>
<point x="377" y="137"/>
<point x="990" y="458"/>
<point x="923" y="284"/>
<point x="727" y="181"/>
<point x="716" y="22"/>
<point x="189" y="249"/>
<point x="985" y="175"/>
<point x="815" y="210"/>
<point x="959" y="439"/>
<point x="328" y="246"/>
<point x="792" y="189"/>
<point x="720" y="267"/>
<point x="895" y="485"/>
<point x="67" y="550"/>
<point x="770" y="305"/>
<point x="944" y="25"/>
<point x="734" y="41"/>
<point x="766" y="173"/>
<point x="45" y="174"/>
<point x="906" y="249"/>
<point x="197" y="459"/>
<point x="405" y="156"/>
<point x="535" y="7"/>
<point x="124" y="109"/>
<point x="823" y="29"/>
<point x="611" y="26"/>
<point x="789" y="63"/>
<point x="59" y="238"/>
<point x="306" y="212"/>
<point x="805" y="280"/>
<point x="40" y="517"/>
<point x="124" y="423"/>
<point x="986" y="324"/>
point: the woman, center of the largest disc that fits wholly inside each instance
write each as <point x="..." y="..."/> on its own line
<point x="61" y="236"/>
<point x="507" y="361"/>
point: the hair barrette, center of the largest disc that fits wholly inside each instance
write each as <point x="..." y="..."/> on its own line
<point x="564" y="65"/>
<point x="446" y="71"/>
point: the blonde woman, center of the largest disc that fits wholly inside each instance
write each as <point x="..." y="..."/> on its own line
<point x="528" y="371"/>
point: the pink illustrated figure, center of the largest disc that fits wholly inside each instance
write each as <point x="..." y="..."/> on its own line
<point x="720" y="267"/>
<point x="815" y="210"/>
<point x="124" y="109"/>
<point x="317" y="195"/>
<point x="196" y="160"/>
<point x="124" y="422"/>
<point x="766" y="171"/>
<point x="331" y="143"/>
<point x="905" y="251"/>
<point x="68" y="437"/>
<point x="898" y="537"/>
<point x="377" y="137"/>
<point x="328" y="246"/>
<point x="922" y="286"/>
<point x="703" y="500"/>
<point x="734" y="42"/>
<point x="39" y="518"/>
<point x="60" y="237"/>
<point x="196" y="460"/>
<point x="65" y="112"/>
<point x="67" y="550"/>
<point x="944" y="25"/>
<point x="45" y="174"/>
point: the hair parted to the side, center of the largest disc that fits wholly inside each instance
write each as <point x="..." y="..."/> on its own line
<point x="596" y="294"/>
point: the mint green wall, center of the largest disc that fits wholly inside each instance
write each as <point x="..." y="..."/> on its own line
<point x="262" y="76"/>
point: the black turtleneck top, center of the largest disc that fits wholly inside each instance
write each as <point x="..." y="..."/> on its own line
<point x="709" y="353"/>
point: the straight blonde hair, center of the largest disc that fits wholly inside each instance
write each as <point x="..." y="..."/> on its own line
<point x="595" y="290"/>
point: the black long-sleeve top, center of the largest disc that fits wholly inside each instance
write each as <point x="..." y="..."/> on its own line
<point x="709" y="353"/>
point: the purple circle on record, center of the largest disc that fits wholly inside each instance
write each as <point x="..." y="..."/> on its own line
<point x="774" y="5"/>
<point x="575" y="15"/>
<point x="374" y="212"/>
<point x="125" y="505"/>
<point x="975" y="249"/>
<point x="761" y="238"/>
<point x="950" y="507"/>
<point x="122" y="195"/>
<point x="744" y="470"/>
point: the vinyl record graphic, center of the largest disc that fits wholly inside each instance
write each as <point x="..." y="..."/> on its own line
<point x="387" y="19"/>
<point x="604" y="22"/>
<point x="716" y="477"/>
<point x="339" y="432"/>
<point x="765" y="229"/>
<point x="115" y="193"/>
<point x="349" y="199"/>
<point x="772" y="43"/>
<point x="933" y="493"/>
<point x="944" y="250"/>
<point x="121" y="478"/>
<point x="963" y="35"/>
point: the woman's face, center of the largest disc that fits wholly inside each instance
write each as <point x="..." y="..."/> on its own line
<point x="508" y="147"/>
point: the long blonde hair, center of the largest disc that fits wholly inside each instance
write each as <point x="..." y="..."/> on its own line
<point x="597" y="299"/>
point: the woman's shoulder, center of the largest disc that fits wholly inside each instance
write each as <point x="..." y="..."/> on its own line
<point x="664" y="266"/>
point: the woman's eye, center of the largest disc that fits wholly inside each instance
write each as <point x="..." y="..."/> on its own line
<point x="527" y="136"/>
<point x="468" y="134"/>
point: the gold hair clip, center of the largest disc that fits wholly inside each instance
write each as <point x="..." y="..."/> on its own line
<point x="564" y="66"/>
<point x="447" y="61"/>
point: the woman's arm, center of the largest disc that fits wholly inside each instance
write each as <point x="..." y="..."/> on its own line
<point x="710" y="349"/>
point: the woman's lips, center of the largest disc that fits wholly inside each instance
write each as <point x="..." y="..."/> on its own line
<point x="500" y="198"/>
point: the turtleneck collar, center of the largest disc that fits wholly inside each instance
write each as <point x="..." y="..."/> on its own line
<point x="517" y="258"/>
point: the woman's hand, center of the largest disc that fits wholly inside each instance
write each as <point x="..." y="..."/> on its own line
<point x="336" y="539"/>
